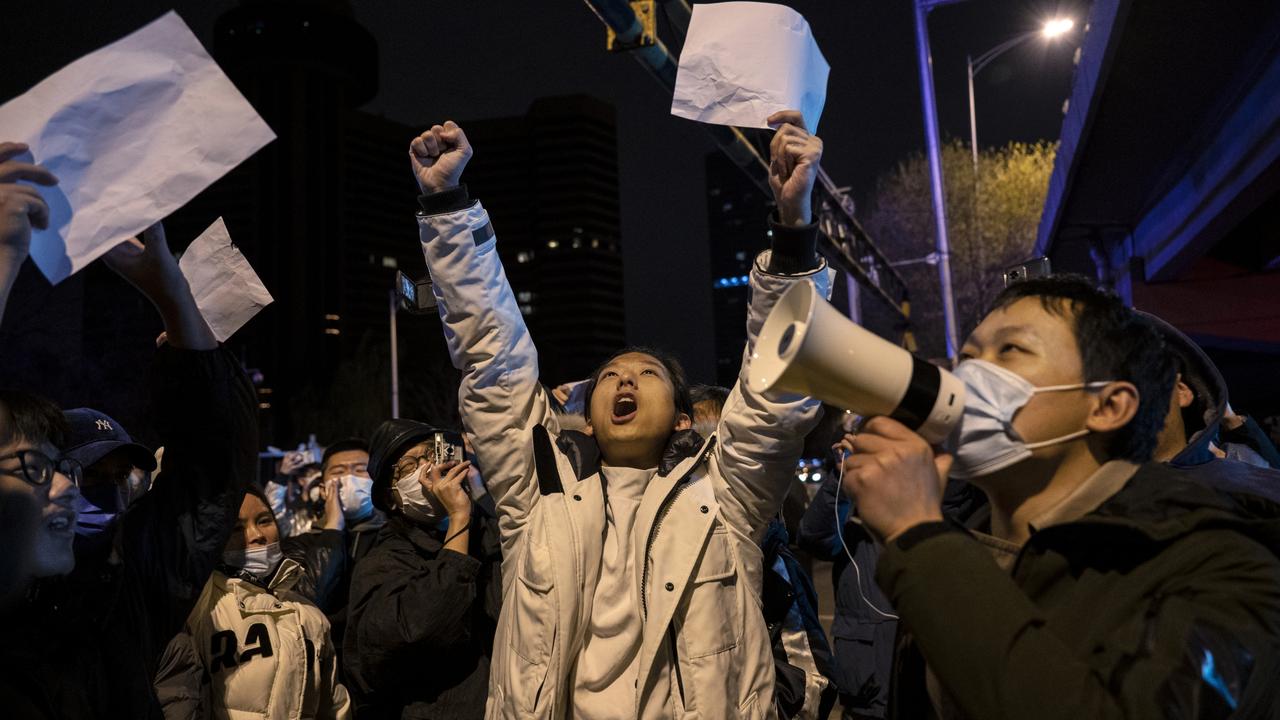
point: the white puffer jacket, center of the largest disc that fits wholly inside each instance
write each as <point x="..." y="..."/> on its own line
<point x="252" y="652"/>
<point x="705" y="650"/>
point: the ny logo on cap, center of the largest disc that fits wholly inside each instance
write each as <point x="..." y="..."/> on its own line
<point x="103" y="425"/>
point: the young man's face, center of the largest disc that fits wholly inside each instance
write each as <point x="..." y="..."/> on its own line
<point x="633" y="410"/>
<point x="255" y="526"/>
<point x="1041" y="347"/>
<point x="347" y="462"/>
<point x="51" y="546"/>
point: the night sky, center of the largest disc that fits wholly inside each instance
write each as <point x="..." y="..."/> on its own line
<point x="483" y="58"/>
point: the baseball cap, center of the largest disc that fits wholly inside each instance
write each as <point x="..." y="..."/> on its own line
<point x="93" y="434"/>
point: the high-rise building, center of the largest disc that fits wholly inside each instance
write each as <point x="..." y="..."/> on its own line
<point x="325" y="215"/>
<point x="549" y="180"/>
<point x="738" y="229"/>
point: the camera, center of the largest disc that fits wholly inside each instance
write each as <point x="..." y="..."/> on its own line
<point x="415" y="295"/>
<point x="446" y="447"/>
<point x="1039" y="267"/>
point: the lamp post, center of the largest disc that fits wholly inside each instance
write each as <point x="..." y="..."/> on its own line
<point x="933" y="144"/>
<point x="1051" y="30"/>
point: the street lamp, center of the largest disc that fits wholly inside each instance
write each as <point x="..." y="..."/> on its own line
<point x="1051" y="30"/>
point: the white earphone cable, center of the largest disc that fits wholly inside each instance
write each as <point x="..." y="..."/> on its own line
<point x="840" y="534"/>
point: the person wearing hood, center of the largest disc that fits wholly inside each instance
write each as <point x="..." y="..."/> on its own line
<point x="1103" y="584"/>
<point x="632" y="561"/>
<point x="424" y="603"/>
<point x="1201" y="425"/>
<point x="88" y="642"/>
<point x="255" y="643"/>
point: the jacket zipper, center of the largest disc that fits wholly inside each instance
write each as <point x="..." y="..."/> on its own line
<point x="657" y="524"/>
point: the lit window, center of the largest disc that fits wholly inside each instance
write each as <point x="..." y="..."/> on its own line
<point x="577" y="243"/>
<point x="523" y="257"/>
<point x="332" y="331"/>
<point x="524" y="296"/>
<point x="553" y="244"/>
<point x="595" y="242"/>
<point x="332" y="317"/>
<point x="389" y="262"/>
<point x="526" y="309"/>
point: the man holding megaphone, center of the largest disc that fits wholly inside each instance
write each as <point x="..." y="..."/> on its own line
<point x="1100" y="584"/>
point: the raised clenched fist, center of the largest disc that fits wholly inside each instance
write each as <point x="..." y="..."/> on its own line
<point x="438" y="157"/>
<point x="794" y="158"/>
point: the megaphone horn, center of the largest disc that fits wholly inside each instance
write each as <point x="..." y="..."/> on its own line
<point x="808" y="347"/>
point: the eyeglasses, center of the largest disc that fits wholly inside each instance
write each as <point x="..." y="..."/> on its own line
<point x="37" y="468"/>
<point x="408" y="464"/>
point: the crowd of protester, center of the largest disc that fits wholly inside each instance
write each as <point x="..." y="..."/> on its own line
<point x="1100" y="538"/>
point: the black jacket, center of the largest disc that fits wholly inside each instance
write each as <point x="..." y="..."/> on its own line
<point x="322" y="555"/>
<point x="421" y="623"/>
<point x="87" y="645"/>
<point x="1163" y="602"/>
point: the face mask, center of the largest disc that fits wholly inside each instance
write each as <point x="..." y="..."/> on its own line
<point x="97" y="508"/>
<point x="356" y="494"/>
<point x="987" y="441"/>
<point x="258" y="561"/>
<point x="415" y="502"/>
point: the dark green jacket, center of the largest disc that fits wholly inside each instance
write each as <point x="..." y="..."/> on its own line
<point x="1162" y="603"/>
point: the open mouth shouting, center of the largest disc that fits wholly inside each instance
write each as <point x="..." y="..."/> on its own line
<point x="624" y="408"/>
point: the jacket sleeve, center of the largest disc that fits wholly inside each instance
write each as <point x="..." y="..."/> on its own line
<point x="205" y="415"/>
<point x="323" y="557"/>
<point x="817" y="534"/>
<point x="401" y="600"/>
<point x="761" y="438"/>
<point x="988" y="645"/>
<point x="500" y="398"/>
<point x="182" y="686"/>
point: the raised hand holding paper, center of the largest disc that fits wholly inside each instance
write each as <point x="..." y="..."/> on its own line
<point x="133" y="131"/>
<point x="744" y="61"/>
<point x="224" y="285"/>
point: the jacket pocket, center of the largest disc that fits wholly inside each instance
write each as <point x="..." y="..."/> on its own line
<point x="534" y="613"/>
<point x="750" y="709"/>
<point x="711" y="620"/>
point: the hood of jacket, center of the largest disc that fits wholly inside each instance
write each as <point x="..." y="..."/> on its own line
<point x="1204" y="379"/>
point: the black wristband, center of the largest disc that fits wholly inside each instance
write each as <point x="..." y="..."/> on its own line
<point x="460" y="531"/>
<point x="447" y="200"/>
<point x="794" y="247"/>
<point x="917" y="534"/>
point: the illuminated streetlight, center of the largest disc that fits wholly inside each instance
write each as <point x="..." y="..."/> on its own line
<point x="1051" y="30"/>
<point x="1057" y="26"/>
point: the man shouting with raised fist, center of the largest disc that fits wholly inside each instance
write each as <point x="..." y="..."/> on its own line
<point x="631" y="568"/>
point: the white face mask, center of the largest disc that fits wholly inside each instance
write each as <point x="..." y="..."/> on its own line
<point x="415" y="502"/>
<point x="987" y="441"/>
<point x="258" y="561"/>
<point x="356" y="495"/>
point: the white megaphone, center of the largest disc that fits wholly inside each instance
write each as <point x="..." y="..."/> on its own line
<point x="807" y="347"/>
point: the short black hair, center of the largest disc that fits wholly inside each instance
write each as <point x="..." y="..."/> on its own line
<point x="668" y="361"/>
<point x="344" y="445"/>
<point x="709" y="393"/>
<point x="261" y="494"/>
<point x="27" y="416"/>
<point x="1116" y="343"/>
